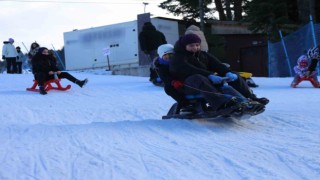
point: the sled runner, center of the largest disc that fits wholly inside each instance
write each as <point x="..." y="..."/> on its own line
<point x="48" y="85"/>
<point x="200" y="110"/>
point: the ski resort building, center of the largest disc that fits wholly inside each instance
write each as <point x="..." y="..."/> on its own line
<point x="115" y="47"/>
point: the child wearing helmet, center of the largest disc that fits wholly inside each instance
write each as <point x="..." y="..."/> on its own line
<point x="302" y="73"/>
<point x="171" y="86"/>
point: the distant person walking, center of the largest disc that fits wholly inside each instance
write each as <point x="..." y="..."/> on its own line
<point x="9" y="53"/>
<point x="19" y="60"/>
<point x="150" y="39"/>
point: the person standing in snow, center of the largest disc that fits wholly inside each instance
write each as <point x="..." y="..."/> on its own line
<point x="150" y="39"/>
<point x="44" y="68"/>
<point x="19" y="60"/>
<point x="9" y="53"/>
<point x="303" y="73"/>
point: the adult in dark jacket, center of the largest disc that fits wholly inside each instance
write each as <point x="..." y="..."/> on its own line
<point x="188" y="63"/>
<point x="203" y="73"/>
<point x="150" y="39"/>
<point x="44" y="68"/>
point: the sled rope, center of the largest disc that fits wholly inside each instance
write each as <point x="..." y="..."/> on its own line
<point x="200" y="89"/>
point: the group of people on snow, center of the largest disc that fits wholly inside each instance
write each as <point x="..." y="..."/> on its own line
<point x="187" y="68"/>
<point x="13" y="57"/>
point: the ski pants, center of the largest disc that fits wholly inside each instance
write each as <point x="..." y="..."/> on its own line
<point x="11" y="65"/>
<point x="42" y="77"/>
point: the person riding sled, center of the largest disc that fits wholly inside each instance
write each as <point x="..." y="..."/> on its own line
<point x="201" y="73"/>
<point x="44" y="68"/>
<point x="302" y="73"/>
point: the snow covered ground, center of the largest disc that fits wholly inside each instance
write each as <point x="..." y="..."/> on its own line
<point x="112" y="129"/>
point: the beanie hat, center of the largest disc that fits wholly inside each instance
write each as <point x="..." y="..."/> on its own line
<point x="165" y="49"/>
<point x="189" y="39"/>
<point x="18" y="47"/>
<point x="11" y="40"/>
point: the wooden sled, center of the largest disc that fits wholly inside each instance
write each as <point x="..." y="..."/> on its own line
<point x="48" y="85"/>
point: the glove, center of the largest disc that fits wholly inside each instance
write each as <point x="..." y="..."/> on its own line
<point x="313" y="53"/>
<point x="176" y="84"/>
<point x="215" y="79"/>
<point x="17" y="57"/>
<point x="3" y="57"/>
<point x="231" y="76"/>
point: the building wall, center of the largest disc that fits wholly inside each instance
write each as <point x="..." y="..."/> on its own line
<point x="115" y="46"/>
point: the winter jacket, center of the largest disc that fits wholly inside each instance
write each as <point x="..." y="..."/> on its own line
<point x="150" y="38"/>
<point x="44" y="64"/>
<point x="8" y="50"/>
<point x="21" y="57"/>
<point x="185" y="63"/>
<point x="164" y="74"/>
<point x="196" y="30"/>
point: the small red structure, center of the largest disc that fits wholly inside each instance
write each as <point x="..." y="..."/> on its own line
<point x="48" y="85"/>
<point x="313" y="82"/>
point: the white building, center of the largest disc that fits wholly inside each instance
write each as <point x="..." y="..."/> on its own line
<point x="114" y="46"/>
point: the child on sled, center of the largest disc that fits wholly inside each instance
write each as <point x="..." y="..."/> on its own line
<point x="302" y="73"/>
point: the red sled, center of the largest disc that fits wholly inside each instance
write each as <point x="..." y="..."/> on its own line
<point x="48" y="85"/>
<point x="313" y="82"/>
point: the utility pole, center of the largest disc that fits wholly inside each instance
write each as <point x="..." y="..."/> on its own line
<point x="201" y="14"/>
<point x="145" y="5"/>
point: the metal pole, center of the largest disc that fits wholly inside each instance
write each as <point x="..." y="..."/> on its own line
<point x="64" y="68"/>
<point x="286" y="53"/>
<point x="145" y="5"/>
<point x="25" y="47"/>
<point x="109" y="68"/>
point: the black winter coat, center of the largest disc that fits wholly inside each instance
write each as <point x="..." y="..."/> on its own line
<point x="44" y="64"/>
<point x="150" y="38"/>
<point x="164" y="73"/>
<point x="185" y="64"/>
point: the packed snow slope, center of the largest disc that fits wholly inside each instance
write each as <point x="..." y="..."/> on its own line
<point x="112" y="129"/>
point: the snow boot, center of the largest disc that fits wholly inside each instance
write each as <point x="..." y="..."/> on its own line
<point x="254" y="108"/>
<point x="231" y="106"/>
<point x="42" y="91"/>
<point x="262" y="100"/>
<point x="82" y="83"/>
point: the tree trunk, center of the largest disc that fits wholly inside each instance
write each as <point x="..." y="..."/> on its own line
<point x="219" y="7"/>
<point x="228" y="10"/>
<point x="237" y="10"/>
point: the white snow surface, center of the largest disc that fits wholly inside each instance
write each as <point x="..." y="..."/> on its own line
<point x="112" y="129"/>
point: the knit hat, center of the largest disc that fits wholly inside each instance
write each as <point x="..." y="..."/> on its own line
<point x="18" y="47"/>
<point x="165" y="49"/>
<point x="189" y="39"/>
<point x="11" y="40"/>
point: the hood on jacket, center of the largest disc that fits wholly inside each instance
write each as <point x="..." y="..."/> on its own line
<point x="193" y="28"/>
<point x="148" y="26"/>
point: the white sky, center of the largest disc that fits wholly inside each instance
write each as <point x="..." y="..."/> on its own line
<point x="45" y="21"/>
